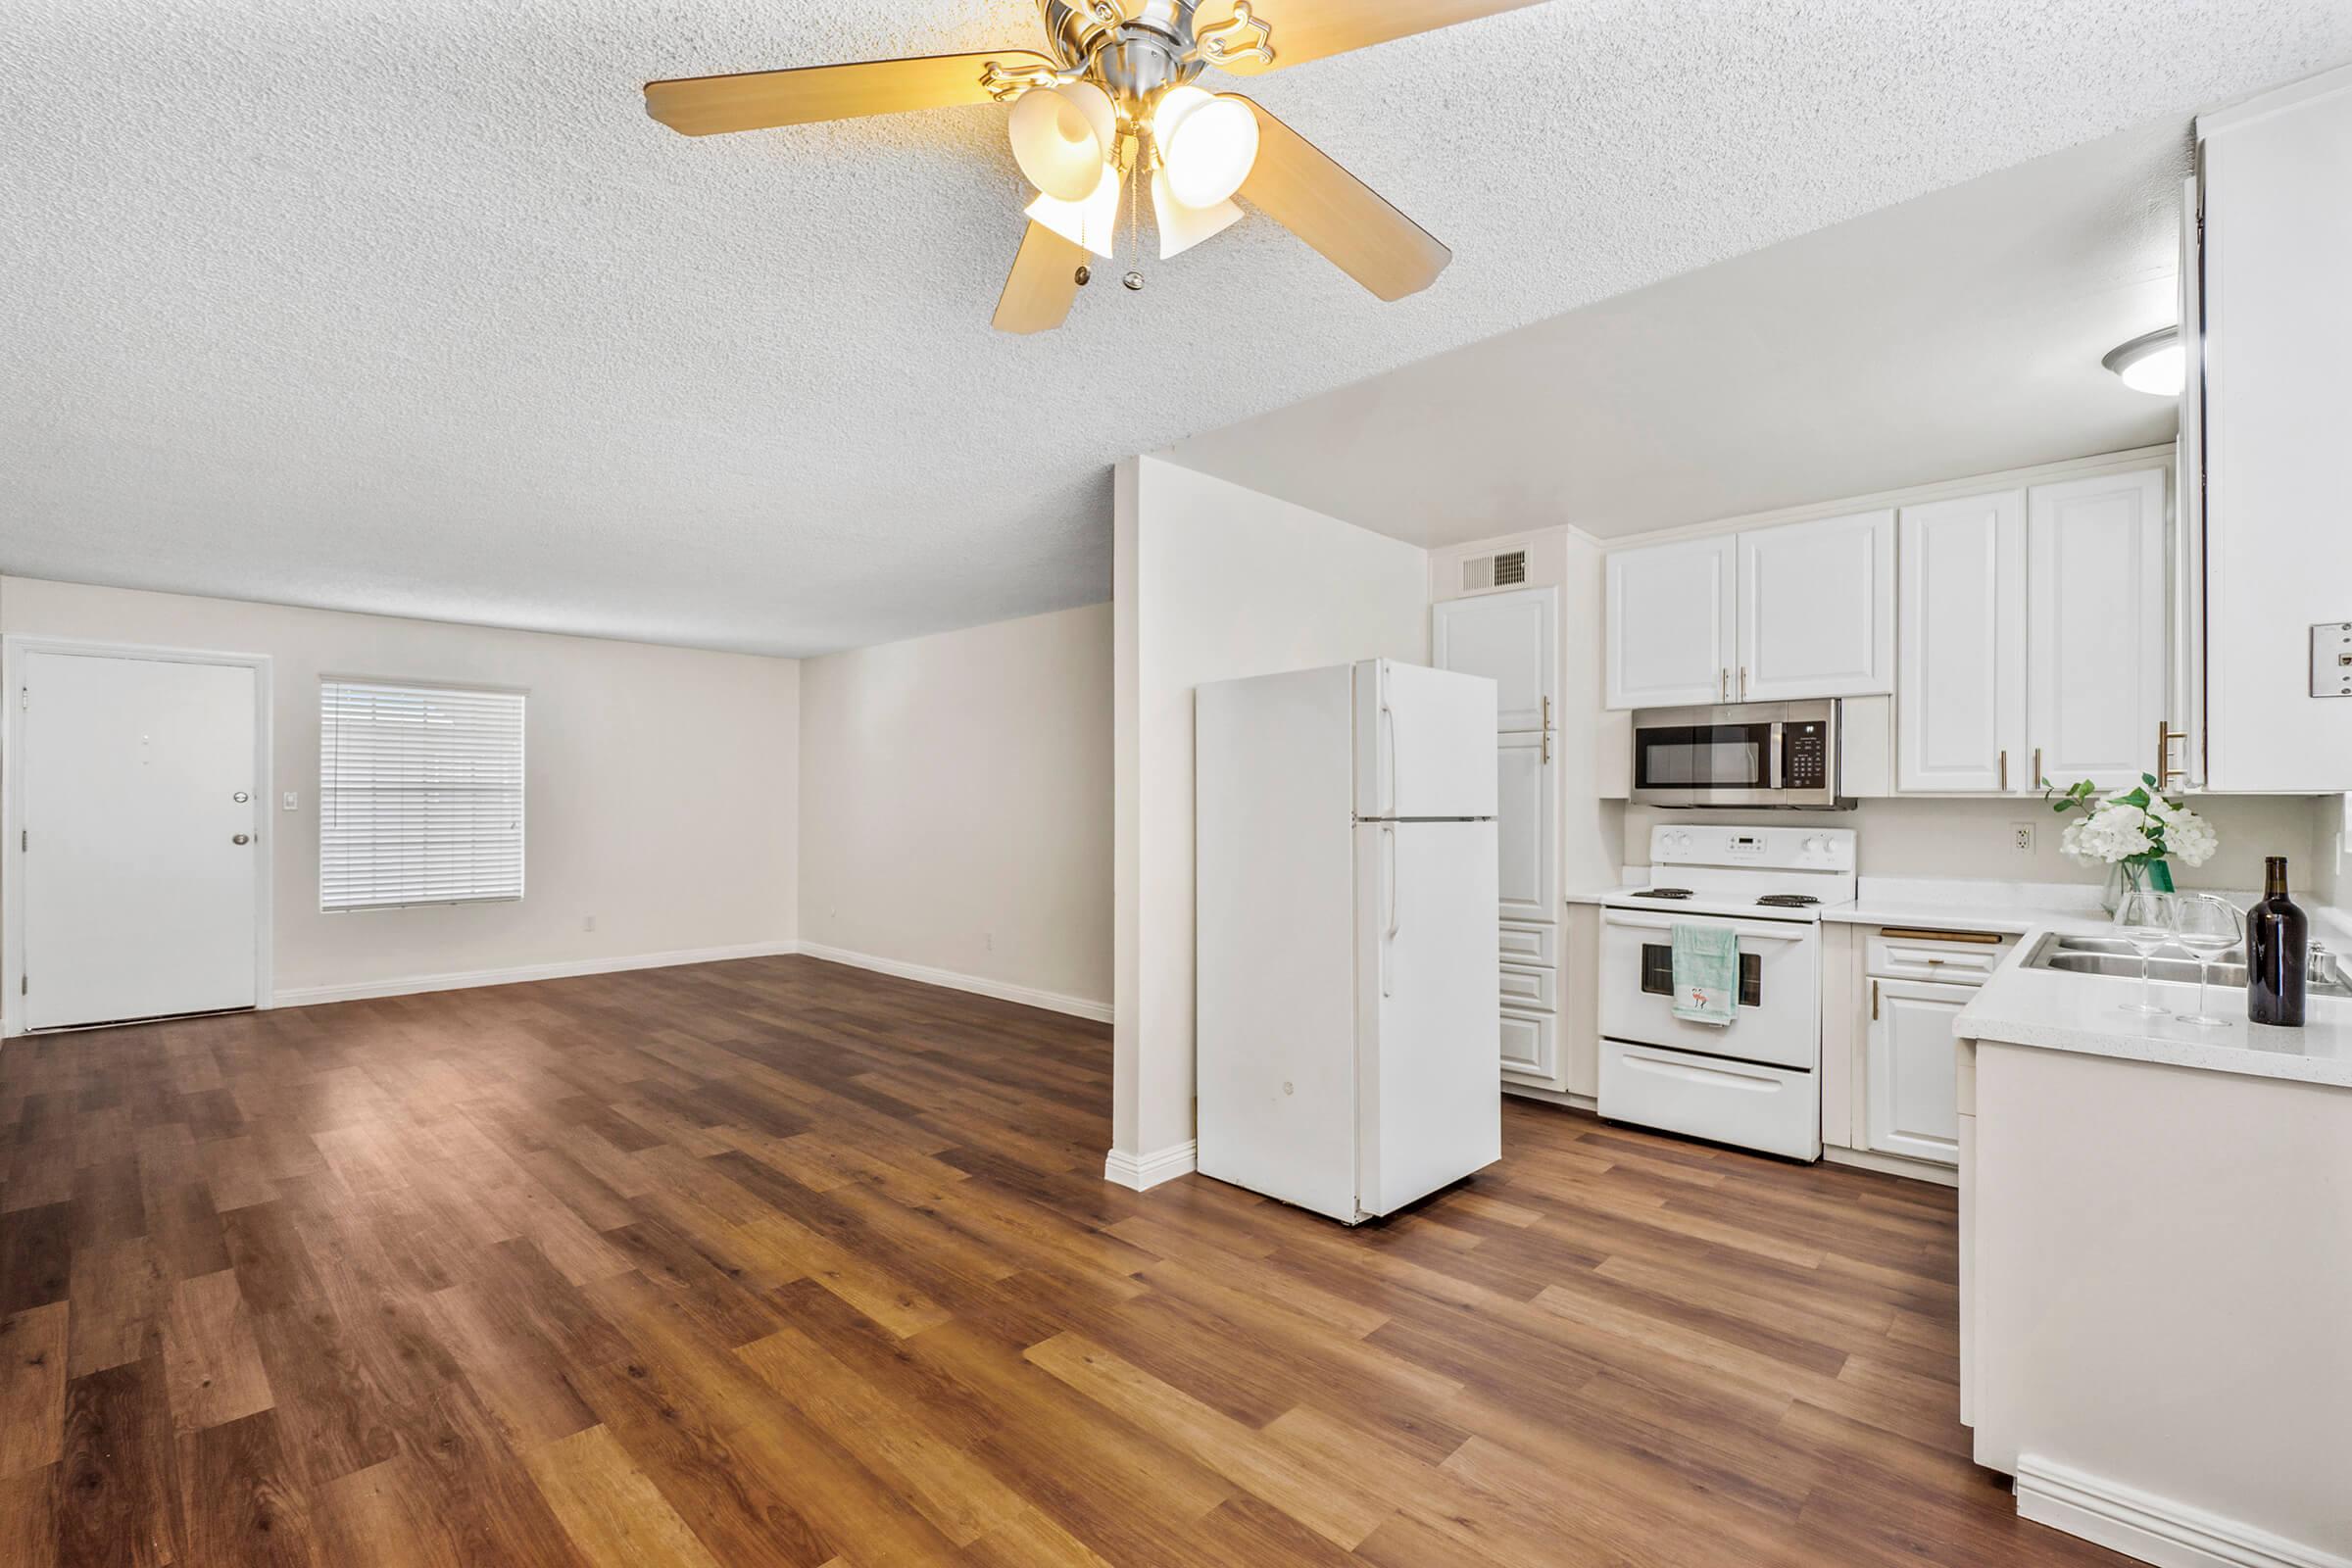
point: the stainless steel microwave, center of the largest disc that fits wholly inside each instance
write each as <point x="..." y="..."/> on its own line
<point x="1742" y="754"/>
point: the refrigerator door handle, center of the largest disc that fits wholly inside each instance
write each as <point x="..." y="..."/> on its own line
<point x="1387" y="732"/>
<point x="1387" y="841"/>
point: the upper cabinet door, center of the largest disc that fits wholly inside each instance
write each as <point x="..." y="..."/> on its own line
<point x="2095" y="648"/>
<point x="1671" y="612"/>
<point x="1817" y="610"/>
<point x="1527" y="821"/>
<point x="1960" y="713"/>
<point x="1513" y="640"/>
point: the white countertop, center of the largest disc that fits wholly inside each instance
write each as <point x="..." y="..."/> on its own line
<point x="2085" y="1015"/>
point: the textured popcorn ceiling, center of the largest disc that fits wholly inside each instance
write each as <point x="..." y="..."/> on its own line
<point x="406" y="306"/>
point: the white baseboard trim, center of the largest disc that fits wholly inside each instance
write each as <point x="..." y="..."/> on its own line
<point x="1001" y="990"/>
<point x="2153" y="1528"/>
<point x="418" y="984"/>
<point x="1142" y="1172"/>
<point x="1917" y="1171"/>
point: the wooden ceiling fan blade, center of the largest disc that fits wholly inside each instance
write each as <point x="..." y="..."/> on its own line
<point x="1299" y="186"/>
<point x="1044" y="283"/>
<point x="1310" y="29"/>
<point x="756" y="100"/>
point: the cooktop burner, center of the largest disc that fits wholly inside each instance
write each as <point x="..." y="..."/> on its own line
<point x="1788" y="900"/>
<point x="1663" y="893"/>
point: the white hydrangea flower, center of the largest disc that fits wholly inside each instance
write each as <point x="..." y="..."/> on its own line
<point x="2162" y="809"/>
<point x="2190" y="838"/>
<point x="2114" y="832"/>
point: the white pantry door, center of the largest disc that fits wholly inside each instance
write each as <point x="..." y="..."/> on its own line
<point x="139" y="819"/>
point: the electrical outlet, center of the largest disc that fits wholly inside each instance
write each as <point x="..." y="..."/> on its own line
<point x="2331" y="660"/>
<point x="291" y="802"/>
<point x="588" y="923"/>
<point x="987" y="940"/>
<point x="2021" y="836"/>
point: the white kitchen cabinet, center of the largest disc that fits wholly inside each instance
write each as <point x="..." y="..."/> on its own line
<point x="1527" y="829"/>
<point x="1774" y="614"/>
<point x="1960" y="707"/>
<point x="1530" y="1045"/>
<point x="1912" y="1073"/>
<point x="2265" y="426"/>
<point x="1673" y="613"/>
<point x="1513" y="640"/>
<point x="1817" y="610"/>
<point x="2095" y="645"/>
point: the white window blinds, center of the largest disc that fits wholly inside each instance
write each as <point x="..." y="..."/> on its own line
<point x="419" y="794"/>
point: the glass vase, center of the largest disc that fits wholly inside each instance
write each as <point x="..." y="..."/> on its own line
<point x="2141" y="872"/>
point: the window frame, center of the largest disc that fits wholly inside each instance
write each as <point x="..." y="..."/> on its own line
<point x="428" y="688"/>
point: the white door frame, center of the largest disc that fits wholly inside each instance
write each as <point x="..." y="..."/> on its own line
<point x="13" y="651"/>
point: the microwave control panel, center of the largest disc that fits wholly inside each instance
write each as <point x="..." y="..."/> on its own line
<point x="1805" y="756"/>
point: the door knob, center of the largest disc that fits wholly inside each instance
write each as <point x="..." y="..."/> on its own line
<point x="242" y="838"/>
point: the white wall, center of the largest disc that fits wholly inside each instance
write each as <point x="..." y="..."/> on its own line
<point x="1212" y="582"/>
<point x="955" y="796"/>
<point x="663" y="786"/>
<point x="1924" y="837"/>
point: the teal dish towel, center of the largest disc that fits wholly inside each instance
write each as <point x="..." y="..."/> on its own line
<point x="1707" y="972"/>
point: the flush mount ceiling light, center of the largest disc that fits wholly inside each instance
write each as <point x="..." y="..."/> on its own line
<point x="2153" y="363"/>
<point x="1111" y="111"/>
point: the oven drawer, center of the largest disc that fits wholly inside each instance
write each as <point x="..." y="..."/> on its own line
<point x="1772" y="1108"/>
<point x="1959" y="958"/>
<point x="1533" y="988"/>
<point x="1536" y="946"/>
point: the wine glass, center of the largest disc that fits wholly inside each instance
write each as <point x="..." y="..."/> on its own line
<point x="2143" y="923"/>
<point x="2208" y="927"/>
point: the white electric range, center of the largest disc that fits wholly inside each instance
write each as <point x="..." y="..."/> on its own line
<point x="1754" y="1082"/>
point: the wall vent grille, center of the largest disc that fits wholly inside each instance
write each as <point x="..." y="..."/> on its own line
<point x="1505" y="570"/>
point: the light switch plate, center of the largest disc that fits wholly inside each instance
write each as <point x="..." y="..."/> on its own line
<point x="2331" y="660"/>
<point x="290" y="806"/>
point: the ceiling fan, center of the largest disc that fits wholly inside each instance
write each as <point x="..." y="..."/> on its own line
<point x="1114" y="103"/>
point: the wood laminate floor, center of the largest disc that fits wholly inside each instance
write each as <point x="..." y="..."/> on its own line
<point x="778" y="1262"/>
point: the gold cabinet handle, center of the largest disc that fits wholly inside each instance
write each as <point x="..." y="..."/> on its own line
<point x="1873" y="1001"/>
<point x="1547" y="712"/>
<point x="2004" y="769"/>
<point x="1743" y="683"/>
<point x="2037" y="781"/>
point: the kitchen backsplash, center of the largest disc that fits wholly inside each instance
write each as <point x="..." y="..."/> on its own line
<point x="1963" y="838"/>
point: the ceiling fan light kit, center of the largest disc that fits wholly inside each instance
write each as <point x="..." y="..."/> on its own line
<point x="1111" y="104"/>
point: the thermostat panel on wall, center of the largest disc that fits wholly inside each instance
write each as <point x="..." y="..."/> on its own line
<point x="2331" y="660"/>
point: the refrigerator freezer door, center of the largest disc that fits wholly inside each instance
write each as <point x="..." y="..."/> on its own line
<point x="1430" y="1085"/>
<point x="1424" y="742"/>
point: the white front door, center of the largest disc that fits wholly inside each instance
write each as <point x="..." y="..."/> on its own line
<point x="1513" y="640"/>
<point x="1817" y="610"/>
<point x="140" y="822"/>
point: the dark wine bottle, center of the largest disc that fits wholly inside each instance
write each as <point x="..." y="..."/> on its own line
<point x="2277" y="951"/>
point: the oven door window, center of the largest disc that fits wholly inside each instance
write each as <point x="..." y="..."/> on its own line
<point x="1657" y="974"/>
<point x="1704" y="756"/>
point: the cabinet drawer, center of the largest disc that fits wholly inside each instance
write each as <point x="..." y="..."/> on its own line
<point x="1530" y="1045"/>
<point x="1955" y="957"/>
<point x="1536" y="946"/>
<point x="1535" y="989"/>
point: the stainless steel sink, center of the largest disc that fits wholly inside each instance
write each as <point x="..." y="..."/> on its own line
<point x="2088" y="954"/>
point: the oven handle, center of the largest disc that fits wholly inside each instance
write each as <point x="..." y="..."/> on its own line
<point x="1778" y="931"/>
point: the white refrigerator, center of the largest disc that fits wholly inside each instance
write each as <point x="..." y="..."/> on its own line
<point x="1346" y="930"/>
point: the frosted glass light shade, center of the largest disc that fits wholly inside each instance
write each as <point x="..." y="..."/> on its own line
<point x="2154" y="363"/>
<point x="1182" y="228"/>
<point x="1207" y="144"/>
<point x="1093" y="222"/>
<point x="1062" y="136"/>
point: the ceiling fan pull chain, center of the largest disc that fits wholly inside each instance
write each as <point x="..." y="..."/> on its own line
<point x="1135" y="214"/>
